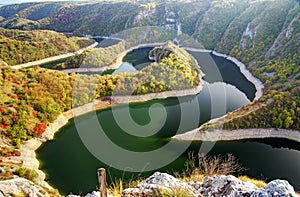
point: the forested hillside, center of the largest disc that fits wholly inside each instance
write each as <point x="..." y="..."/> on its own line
<point x="31" y="98"/>
<point x="248" y="28"/>
<point x="19" y="47"/>
<point x="262" y="34"/>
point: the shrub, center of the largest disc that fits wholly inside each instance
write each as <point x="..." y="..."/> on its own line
<point x="26" y="173"/>
<point x="197" y="167"/>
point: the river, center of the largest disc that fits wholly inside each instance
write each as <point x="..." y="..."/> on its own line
<point x="70" y="167"/>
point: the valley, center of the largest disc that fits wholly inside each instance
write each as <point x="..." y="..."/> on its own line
<point x="233" y="65"/>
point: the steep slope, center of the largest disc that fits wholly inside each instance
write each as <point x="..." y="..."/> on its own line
<point x="236" y="28"/>
<point x="262" y="31"/>
<point x="106" y="17"/>
<point x="289" y="37"/>
<point x="215" y="21"/>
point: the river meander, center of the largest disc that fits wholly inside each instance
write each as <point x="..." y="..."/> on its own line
<point x="70" y="167"/>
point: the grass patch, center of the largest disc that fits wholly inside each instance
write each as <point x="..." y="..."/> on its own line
<point x="118" y="185"/>
<point x="258" y="183"/>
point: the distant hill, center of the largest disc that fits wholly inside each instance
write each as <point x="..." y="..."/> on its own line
<point x="19" y="47"/>
<point x="264" y="29"/>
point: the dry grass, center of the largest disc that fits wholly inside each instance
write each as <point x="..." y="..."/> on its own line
<point x="179" y="192"/>
<point x="118" y="185"/>
<point x="116" y="188"/>
<point x="258" y="183"/>
<point x="199" y="166"/>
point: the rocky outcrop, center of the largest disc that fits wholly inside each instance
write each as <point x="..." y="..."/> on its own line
<point x="276" y="188"/>
<point x="224" y="186"/>
<point x="158" y="53"/>
<point x="19" y="187"/>
<point x="163" y="184"/>
<point x="160" y="184"/>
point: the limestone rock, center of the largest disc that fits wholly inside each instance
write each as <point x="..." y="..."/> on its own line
<point x="159" y="184"/>
<point x="20" y="186"/>
<point x="276" y="188"/>
<point x="158" y="53"/>
<point x="225" y="186"/>
<point x="162" y="184"/>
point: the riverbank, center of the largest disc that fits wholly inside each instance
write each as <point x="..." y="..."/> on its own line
<point x="257" y="83"/>
<point x="240" y="134"/>
<point x="54" y="58"/>
<point x="224" y="135"/>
